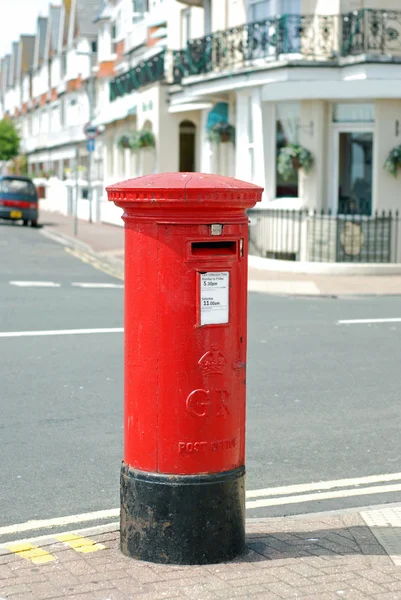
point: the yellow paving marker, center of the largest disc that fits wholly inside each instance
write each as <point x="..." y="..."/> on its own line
<point x="79" y="543"/>
<point x="36" y="555"/>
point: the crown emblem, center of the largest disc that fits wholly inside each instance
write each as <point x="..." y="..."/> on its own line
<point x="212" y="362"/>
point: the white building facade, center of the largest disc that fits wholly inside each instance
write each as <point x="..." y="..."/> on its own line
<point x="222" y="86"/>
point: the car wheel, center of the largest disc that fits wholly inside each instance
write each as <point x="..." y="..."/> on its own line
<point x="34" y="223"/>
<point x="25" y="223"/>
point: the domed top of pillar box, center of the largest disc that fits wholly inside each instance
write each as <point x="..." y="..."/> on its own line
<point x="187" y="192"/>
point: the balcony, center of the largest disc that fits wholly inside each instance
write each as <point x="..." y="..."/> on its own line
<point x="292" y="38"/>
<point x="144" y="73"/>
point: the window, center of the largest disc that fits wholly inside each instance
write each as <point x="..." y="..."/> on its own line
<point x="139" y="7"/>
<point x="287" y="129"/>
<point x="352" y="112"/>
<point x="62" y="111"/>
<point x="113" y="39"/>
<point x="17" y="186"/>
<point x="265" y="9"/>
<point x="185" y="26"/>
<point x="63" y="65"/>
<point x="261" y="9"/>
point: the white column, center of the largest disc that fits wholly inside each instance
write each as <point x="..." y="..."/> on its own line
<point x="205" y="145"/>
<point x="242" y="156"/>
<point x="258" y="142"/>
<point x="269" y="144"/>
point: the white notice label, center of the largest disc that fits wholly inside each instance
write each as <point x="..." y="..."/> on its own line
<point x="214" y="298"/>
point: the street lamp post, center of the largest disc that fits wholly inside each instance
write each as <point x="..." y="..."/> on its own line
<point x="76" y="191"/>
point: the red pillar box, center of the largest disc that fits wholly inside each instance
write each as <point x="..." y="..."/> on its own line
<point x="182" y="478"/>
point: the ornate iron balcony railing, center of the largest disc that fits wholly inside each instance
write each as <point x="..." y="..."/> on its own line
<point x="146" y="72"/>
<point x="291" y="37"/>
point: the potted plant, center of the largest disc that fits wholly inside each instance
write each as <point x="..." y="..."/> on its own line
<point x="144" y="138"/>
<point x="393" y="161"/>
<point x="292" y="158"/>
<point x="222" y="132"/>
<point x="124" y="142"/>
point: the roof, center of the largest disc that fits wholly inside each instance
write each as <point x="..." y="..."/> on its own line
<point x="14" y="62"/>
<point x="7" y="66"/>
<point x="54" y="28"/>
<point x="85" y="16"/>
<point x="67" y="12"/>
<point x="27" y="50"/>
<point x="105" y="12"/>
<point x="40" y="46"/>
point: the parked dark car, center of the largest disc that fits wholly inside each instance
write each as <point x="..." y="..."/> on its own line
<point x="18" y="199"/>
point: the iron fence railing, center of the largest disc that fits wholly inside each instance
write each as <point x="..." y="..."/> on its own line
<point x="304" y="235"/>
<point x="314" y="37"/>
<point x="144" y="73"/>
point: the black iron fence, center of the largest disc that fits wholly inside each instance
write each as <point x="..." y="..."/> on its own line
<point x="144" y="73"/>
<point x="304" y="235"/>
<point x="315" y="37"/>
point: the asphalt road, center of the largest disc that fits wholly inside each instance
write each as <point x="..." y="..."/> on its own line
<point x="323" y="397"/>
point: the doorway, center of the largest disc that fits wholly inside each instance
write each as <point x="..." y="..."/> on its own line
<point x="187" y="147"/>
<point x="354" y="177"/>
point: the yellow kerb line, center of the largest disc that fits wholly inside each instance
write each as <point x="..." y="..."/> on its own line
<point x="79" y="543"/>
<point x="36" y="555"/>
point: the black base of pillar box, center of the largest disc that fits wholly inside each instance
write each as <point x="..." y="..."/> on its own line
<point x="182" y="519"/>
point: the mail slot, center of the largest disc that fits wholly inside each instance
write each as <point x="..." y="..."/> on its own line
<point x="211" y="248"/>
<point x="182" y="477"/>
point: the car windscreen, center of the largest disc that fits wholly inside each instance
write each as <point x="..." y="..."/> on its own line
<point x="17" y="186"/>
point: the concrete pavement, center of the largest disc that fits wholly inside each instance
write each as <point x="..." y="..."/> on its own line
<point x="105" y="243"/>
<point x="323" y="557"/>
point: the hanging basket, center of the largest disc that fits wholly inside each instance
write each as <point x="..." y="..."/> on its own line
<point x="222" y="133"/>
<point x="124" y="142"/>
<point x="144" y="138"/>
<point x="292" y="158"/>
<point x="393" y="161"/>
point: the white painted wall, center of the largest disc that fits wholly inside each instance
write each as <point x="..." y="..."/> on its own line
<point x="314" y="135"/>
<point x="386" y="188"/>
<point x="25" y="88"/>
<point x="55" y="72"/>
<point x="228" y="13"/>
<point x="104" y="42"/>
<point x="40" y="83"/>
<point x="10" y="101"/>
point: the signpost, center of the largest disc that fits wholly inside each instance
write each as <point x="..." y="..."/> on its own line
<point x="91" y="132"/>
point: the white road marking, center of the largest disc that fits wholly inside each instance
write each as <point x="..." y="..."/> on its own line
<point x="290" y="499"/>
<point x="10" y="334"/>
<point x="323" y="485"/>
<point x="60" y="521"/>
<point x="35" y="284"/>
<point x="98" y="285"/>
<point x="378" y="489"/>
<point x="363" y="321"/>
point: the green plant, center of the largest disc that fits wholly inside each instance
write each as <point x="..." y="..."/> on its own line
<point x="292" y="158"/>
<point x="124" y="141"/>
<point x="9" y="140"/>
<point x="222" y="132"/>
<point x="393" y="161"/>
<point x="19" y="165"/>
<point x="144" y="138"/>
